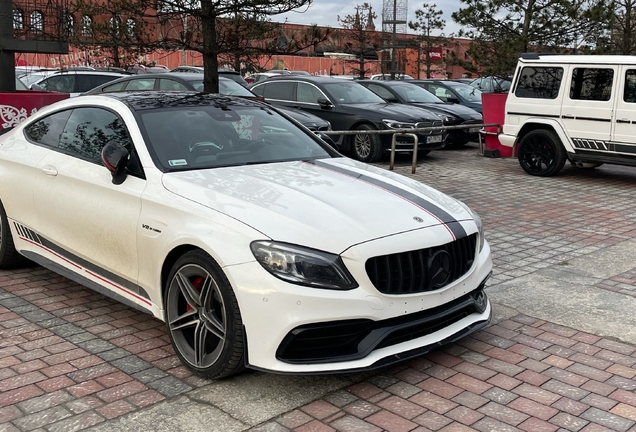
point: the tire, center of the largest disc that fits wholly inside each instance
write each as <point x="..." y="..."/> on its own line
<point x="366" y="148"/>
<point x="9" y="256"/>
<point x="200" y="304"/>
<point x="541" y="153"/>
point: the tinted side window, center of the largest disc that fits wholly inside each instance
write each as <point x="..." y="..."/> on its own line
<point x="539" y="82"/>
<point x="89" y="129"/>
<point x="168" y="84"/>
<point x="115" y="87"/>
<point x="591" y="84"/>
<point x="141" y="84"/>
<point x="48" y="130"/>
<point x="89" y="82"/>
<point x="258" y="90"/>
<point x="307" y="93"/>
<point x="62" y="83"/>
<point x="280" y="90"/>
<point x="629" y="94"/>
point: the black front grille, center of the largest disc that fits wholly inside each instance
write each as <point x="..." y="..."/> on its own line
<point x="424" y="269"/>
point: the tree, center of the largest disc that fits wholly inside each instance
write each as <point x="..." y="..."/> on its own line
<point x="428" y="19"/>
<point x="623" y="28"/>
<point x="225" y="29"/>
<point x="358" y="35"/>
<point x="503" y="29"/>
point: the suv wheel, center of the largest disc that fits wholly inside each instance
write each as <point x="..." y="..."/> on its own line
<point x="367" y="148"/>
<point x="541" y="153"/>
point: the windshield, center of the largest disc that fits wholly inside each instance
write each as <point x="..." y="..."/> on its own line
<point x="466" y="91"/>
<point x="352" y="93"/>
<point x="225" y="133"/>
<point x="415" y="94"/>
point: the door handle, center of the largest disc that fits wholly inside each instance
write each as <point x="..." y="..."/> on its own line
<point x="49" y="170"/>
<point x="623" y="120"/>
<point x="568" y="116"/>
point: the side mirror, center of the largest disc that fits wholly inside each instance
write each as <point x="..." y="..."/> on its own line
<point x="36" y="87"/>
<point x="115" y="158"/>
<point x="324" y="103"/>
<point x="453" y="100"/>
<point x="392" y="100"/>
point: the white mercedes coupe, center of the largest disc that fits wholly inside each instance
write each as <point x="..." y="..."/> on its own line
<point x="258" y="244"/>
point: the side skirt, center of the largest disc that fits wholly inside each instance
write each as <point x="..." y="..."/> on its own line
<point x="57" y="268"/>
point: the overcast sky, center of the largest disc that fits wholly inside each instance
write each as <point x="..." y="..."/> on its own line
<point x="325" y="12"/>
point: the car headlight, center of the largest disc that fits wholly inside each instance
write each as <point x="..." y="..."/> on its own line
<point x="478" y="222"/>
<point x="303" y="266"/>
<point x="394" y="124"/>
<point x="451" y="119"/>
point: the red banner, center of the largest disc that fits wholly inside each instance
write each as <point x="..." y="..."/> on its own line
<point x="17" y="107"/>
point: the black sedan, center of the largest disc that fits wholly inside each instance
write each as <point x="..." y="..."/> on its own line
<point x="453" y="115"/>
<point x="349" y="106"/>
<point x="453" y="91"/>
<point x="184" y="81"/>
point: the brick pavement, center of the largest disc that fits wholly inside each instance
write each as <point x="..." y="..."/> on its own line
<point x="71" y="358"/>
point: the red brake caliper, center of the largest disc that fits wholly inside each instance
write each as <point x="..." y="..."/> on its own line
<point x="197" y="283"/>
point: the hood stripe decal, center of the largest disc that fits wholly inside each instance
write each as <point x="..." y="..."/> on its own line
<point x="452" y="225"/>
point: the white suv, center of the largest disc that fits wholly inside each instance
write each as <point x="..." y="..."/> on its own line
<point x="576" y="108"/>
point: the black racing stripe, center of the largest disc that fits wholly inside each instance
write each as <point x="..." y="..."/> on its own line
<point x="455" y="227"/>
<point x="92" y="267"/>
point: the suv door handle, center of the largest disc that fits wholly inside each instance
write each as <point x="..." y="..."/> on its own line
<point x="567" y="116"/>
<point x="49" y="170"/>
<point x="623" y="120"/>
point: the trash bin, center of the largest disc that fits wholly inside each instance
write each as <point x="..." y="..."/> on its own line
<point x="494" y="107"/>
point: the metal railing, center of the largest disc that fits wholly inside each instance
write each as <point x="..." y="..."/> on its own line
<point x="411" y="133"/>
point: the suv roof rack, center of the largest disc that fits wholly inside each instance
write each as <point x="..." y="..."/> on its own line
<point x="535" y="56"/>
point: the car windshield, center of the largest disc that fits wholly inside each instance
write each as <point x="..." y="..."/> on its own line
<point x="352" y="93"/>
<point x="225" y="132"/>
<point x="470" y="93"/>
<point x="415" y="94"/>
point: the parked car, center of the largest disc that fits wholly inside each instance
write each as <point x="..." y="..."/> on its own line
<point x="453" y="92"/>
<point x="261" y="76"/>
<point x="194" y="82"/>
<point x="141" y="69"/>
<point x="349" y="106"/>
<point x="226" y="73"/>
<point x="492" y="84"/>
<point x="75" y="82"/>
<point x="579" y="108"/>
<point x="404" y="92"/>
<point x="19" y="85"/>
<point x="387" y="77"/>
<point x="259" y="245"/>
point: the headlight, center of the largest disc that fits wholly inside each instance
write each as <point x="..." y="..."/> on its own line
<point x="303" y="266"/>
<point x="394" y="124"/>
<point x="450" y="119"/>
<point x="480" y="226"/>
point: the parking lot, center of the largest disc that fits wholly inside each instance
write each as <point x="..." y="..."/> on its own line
<point x="559" y="356"/>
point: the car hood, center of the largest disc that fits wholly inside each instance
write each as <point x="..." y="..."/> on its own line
<point x="463" y="112"/>
<point x="393" y="111"/>
<point x="328" y="204"/>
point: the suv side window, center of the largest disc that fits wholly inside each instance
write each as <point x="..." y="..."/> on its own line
<point x="89" y="82"/>
<point x="48" y="130"/>
<point x="280" y="90"/>
<point x="591" y="84"/>
<point x="629" y="94"/>
<point x="539" y="82"/>
<point x="307" y="93"/>
<point x="60" y="83"/>
<point x="89" y="129"/>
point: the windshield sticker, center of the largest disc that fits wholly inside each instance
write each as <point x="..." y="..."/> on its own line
<point x="177" y="162"/>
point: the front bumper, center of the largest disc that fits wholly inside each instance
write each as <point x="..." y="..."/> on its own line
<point x="401" y="326"/>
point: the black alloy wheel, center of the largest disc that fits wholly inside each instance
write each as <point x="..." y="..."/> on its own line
<point x="203" y="317"/>
<point x="541" y="153"/>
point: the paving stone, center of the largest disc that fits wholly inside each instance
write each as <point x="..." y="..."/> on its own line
<point x="607" y="419"/>
<point x="169" y="386"/>
<point x="353" y="424"/>
<point x="569" y="422"/>
<point x="42" y="418"/>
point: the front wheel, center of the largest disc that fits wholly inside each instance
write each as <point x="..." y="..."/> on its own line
<point x="203" y="317"/>
<point x="367" y="148"/>
<point x="541" y="153"/>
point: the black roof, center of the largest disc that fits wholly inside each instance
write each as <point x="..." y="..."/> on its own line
<point x="307" y="78"/>
<point x="394" y="83"/>
<point x="145" y="100"/>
